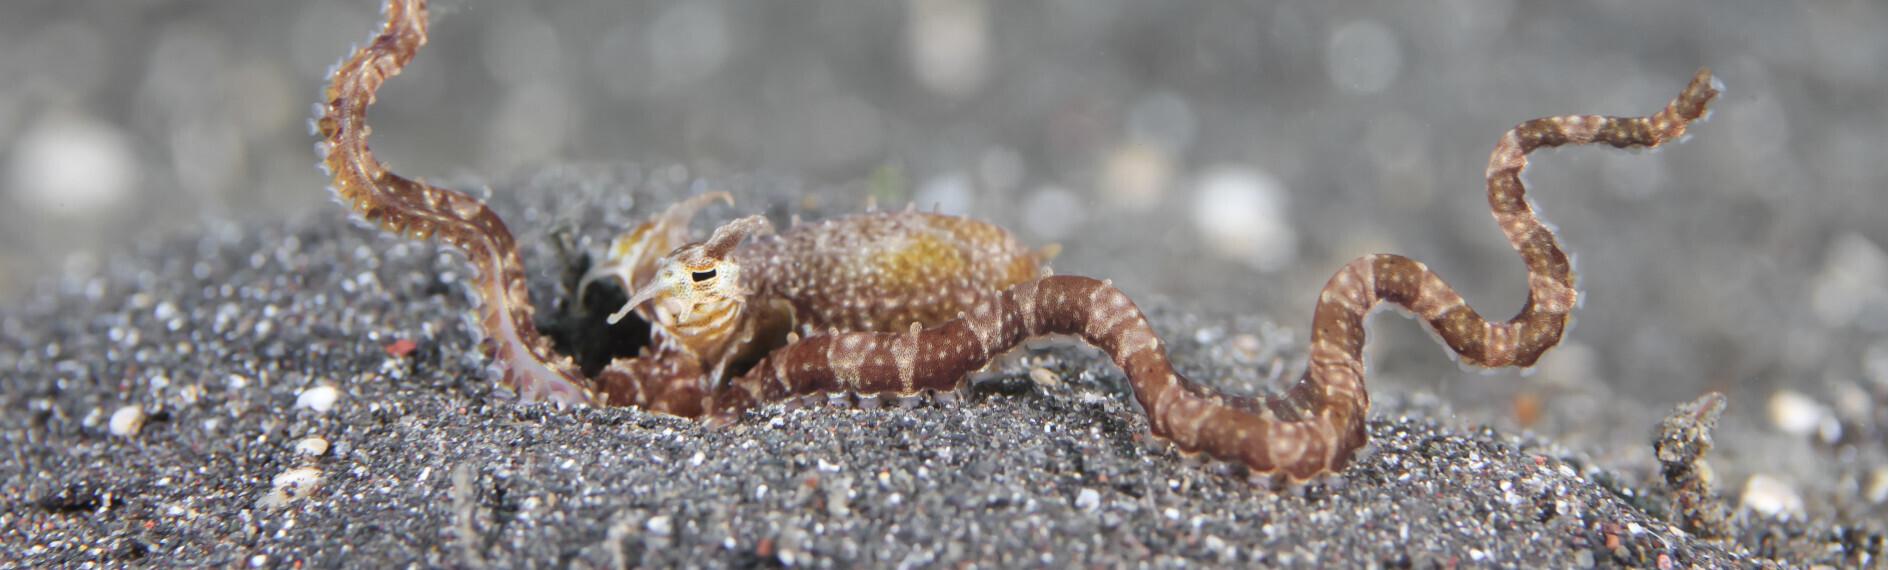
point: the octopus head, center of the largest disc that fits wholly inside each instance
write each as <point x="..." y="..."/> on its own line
<point x="697" y="290"/>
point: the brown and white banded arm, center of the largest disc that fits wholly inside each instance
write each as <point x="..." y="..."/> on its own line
<point x="1316" y="425"/>
<point x="525" y="360"/>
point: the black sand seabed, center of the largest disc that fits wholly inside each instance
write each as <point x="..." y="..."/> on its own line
<point x="214" y="339"/>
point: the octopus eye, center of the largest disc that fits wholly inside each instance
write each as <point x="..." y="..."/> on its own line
<point x="703" y="276"/>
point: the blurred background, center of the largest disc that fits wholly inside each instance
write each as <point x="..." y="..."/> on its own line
<point x="1219" y="157"/>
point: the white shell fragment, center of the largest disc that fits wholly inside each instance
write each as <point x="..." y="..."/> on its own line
<point x="313" y="446"/>
<point x="1088" y="499"/>
<point x="290" y="486"/>
<point x="1770" y="496"/>
<point x="320" y="398"/>
<point x="127" y="421"/>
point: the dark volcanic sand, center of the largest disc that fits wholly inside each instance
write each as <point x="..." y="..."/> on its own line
<point x="215" y="337"/>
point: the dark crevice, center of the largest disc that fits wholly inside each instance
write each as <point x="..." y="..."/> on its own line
<point x="578" y="324"/>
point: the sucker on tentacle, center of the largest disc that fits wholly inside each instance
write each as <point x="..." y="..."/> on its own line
<point x="901" y="303"/>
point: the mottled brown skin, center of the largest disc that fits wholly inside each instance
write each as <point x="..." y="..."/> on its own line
<point x="884" y="271"/>
<point x="899" y="303"/>
<point x="726" y="303"/>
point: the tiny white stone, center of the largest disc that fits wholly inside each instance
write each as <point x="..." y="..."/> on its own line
<point x="1214" y="543"/>
<point x="1798" y="414"/>
<point x="1770" y="496"/>
<point x="321" y="398"/>
<point x="313" y="446"/>
<point x="299" y="477"/>
<point x="660" y="526"/>
<point x="1088" y="499"/>
<point x="1045" y="377"/>
<point x="127" y="421"/>
<point x="291" y="485"/>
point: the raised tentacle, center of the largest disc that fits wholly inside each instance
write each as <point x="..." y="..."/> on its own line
<point x="525" y="359"/>
<point x="1317" y="424"/>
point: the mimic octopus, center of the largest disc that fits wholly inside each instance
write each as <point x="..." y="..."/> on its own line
<point x="901" y="303"/>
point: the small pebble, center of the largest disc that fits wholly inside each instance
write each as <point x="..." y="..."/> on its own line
<point x="321" y="398"/>
<point x="660" y="526"/>
<point x="1249" y="346"/>
<point x="313" y="446"/>
<point x="1770" y="496"/>
<point x="1088" y="499"/>
<point x="1045" y="377"/>
<point x="127" y="421"/>
<point x="1798" y="414"/>
<point x="290" y="486"/>
<point x="400" y="348"/>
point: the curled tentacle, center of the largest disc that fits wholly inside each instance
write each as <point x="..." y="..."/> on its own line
<point x="412" y="208"/>
<point x="1317" y="424"/>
